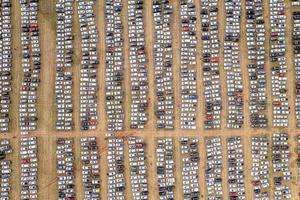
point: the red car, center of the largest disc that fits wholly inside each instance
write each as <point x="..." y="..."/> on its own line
<point x="25" y="160"/>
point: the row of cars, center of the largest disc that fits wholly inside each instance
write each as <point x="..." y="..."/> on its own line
<point x="64" y="79"/>
<point x="280" y="165"/>
<point x="190" y="168"/>
<point x="64" y="62"/>
<point x="213" y="168"/>
<point x="138" y="67"/>
<point x="235" y="118"/>
<point x="296" y="48"/>
<point x="5" y="169"/>
<point x="5" y="63"/>
<point x="188" y="51"/>
<point x="162" y="15"/>
<point x="278" y="63"/>
<point x="165" y="168"/>
<point x="235" y="160"/>
<point x="90" y="169"/>
<point x="211" y="67"/>
<point x="116" y="169"/>
<point x="31" y="65"/>
<point x="260" y="167"/>
<point x="114" y="66"/>
<point x="88" y="67"/>
<point x="138" y="168"/>
<point x="65" y="168"/>
<point x="29" y="168"/>
<point x="255" y="32"/>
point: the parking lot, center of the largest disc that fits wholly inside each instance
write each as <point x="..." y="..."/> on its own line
<point x="47" y="110"/>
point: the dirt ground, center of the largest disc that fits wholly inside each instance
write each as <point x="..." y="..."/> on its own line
<point x="46" y="103"/>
